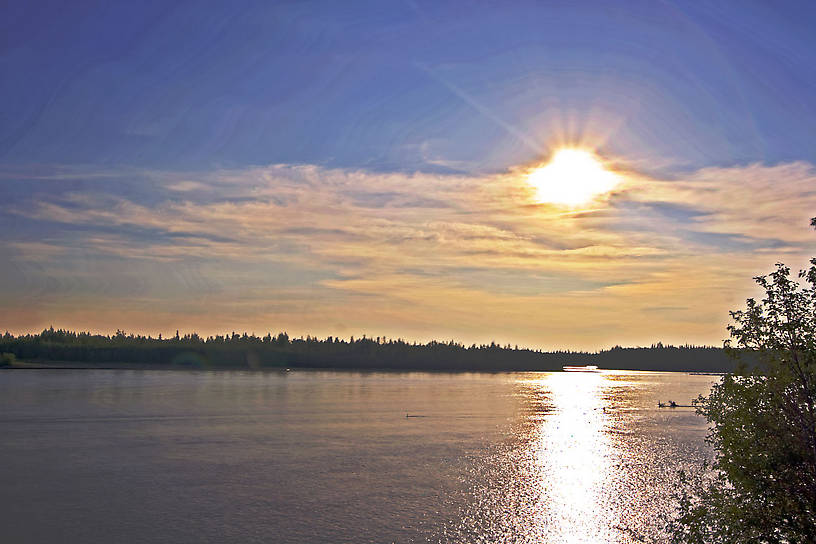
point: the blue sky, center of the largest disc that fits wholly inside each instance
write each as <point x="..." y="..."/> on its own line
<point x="404" y="85"/>
<point x="124" y="122"/>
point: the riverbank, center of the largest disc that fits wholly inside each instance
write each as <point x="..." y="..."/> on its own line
<point x="66" y="349"/>
<point x="74" y="365"/>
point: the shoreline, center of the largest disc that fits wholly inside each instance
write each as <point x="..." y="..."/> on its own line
<point x="68" y="365"/>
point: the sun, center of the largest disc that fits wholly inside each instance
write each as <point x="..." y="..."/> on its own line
<point x="572" y="177"/>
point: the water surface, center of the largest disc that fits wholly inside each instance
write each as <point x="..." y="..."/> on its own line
<point x="306" y="456"/>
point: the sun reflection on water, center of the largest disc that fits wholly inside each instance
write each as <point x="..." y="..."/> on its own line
<point x="573" y="459"/>
<point x="586" y="459"/>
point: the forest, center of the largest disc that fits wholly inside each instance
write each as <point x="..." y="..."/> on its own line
<point x="244" y="351"/>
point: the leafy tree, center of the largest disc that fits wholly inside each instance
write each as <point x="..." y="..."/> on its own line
<point x="763" y="426"/>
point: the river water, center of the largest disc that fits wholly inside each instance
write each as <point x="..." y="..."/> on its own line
<point x="310" y="456"/>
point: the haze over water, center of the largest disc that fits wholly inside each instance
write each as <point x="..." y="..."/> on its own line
<point x="306" y="456"/>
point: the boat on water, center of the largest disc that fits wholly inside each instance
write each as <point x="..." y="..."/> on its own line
<point x="672" y="404"/>
<point x="584" y="368"/>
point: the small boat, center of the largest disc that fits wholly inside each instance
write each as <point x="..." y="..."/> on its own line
<point x="672" y="404"/>
<point x="585" y="368"/>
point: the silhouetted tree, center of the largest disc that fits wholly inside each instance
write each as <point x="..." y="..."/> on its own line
<point x="763" y="426"/>
<point x="7" y="359"/>
<point x="232" y="350"/>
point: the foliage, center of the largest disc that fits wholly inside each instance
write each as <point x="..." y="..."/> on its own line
<point x="762" y="486"/>
<point x="7" y="359"/>
<point x="250" y="351"/>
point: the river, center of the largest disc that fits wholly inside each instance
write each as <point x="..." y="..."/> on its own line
<point x="312" y="456"/>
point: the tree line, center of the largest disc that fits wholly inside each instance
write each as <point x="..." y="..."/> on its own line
<point x="275" y="351"/>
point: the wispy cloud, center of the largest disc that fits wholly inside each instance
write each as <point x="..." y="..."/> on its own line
<point x="474" y="257"/>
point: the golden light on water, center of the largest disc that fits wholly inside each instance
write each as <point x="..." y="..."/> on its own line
<point x="590" y="459"/>
<point x="572" y="177"/>
<point x="573" y="460"/>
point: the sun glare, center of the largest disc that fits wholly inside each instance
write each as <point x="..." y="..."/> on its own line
<point x="571" y="178"/>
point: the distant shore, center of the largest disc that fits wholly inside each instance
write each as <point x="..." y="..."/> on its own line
<point x="69" y="365"/>
<point x="61" y="349"/>
<point x="74" y="365"/>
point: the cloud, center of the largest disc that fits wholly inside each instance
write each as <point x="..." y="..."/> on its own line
<point x="752" y="202"/>
<point x="474" y="257"/>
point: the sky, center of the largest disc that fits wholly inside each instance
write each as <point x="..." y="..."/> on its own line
<point x="349" y="168"/>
